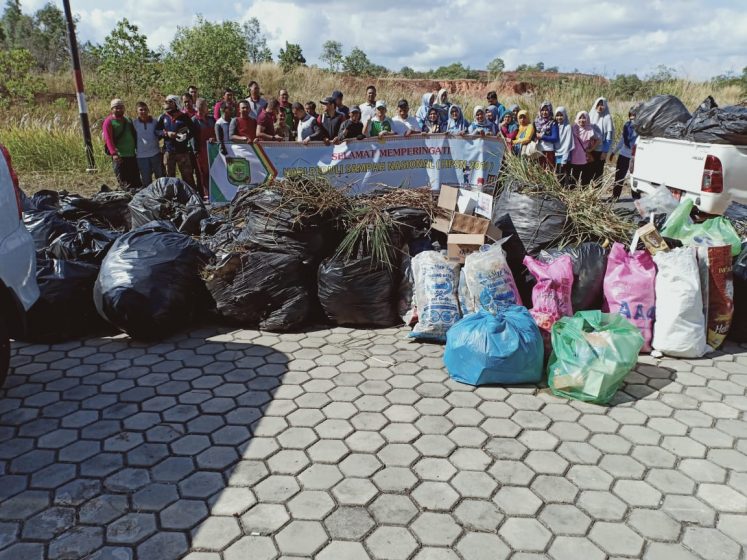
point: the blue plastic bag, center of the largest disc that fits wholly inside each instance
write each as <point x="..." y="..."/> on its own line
<point x="504" y="348"/>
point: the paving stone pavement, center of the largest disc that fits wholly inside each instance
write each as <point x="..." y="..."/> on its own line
<point x="351" y="444"/>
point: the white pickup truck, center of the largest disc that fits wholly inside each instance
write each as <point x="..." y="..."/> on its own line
<point x="712" y="175"/>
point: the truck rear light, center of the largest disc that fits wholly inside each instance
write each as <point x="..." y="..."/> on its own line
<point x="713" y="176"/>
<point x="632" y="160"/>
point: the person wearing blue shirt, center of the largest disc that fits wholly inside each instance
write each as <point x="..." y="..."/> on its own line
<point x="624" y="151"/>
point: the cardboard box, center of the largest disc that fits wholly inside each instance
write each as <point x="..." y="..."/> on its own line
<point x="452" y="199"/>
<point x="459" y="245"/>
<point x="461" y="223"/>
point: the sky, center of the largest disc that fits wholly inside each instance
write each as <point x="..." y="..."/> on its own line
<point x="699" y="39"/>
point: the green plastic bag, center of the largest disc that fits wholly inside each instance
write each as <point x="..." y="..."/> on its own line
<point x="592" y="354"/>
<point x="713" y="232"/>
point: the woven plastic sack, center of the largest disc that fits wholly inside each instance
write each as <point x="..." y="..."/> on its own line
<point x="436" y="284"/>
<point x="551" y="295"/>
<point x="680" y="328"/>
<point x="504" y="348"/>
<point x="629" y="289"/>
<point x="488" y="282"/>
<point x="592" y="354"/>
<point x="713" y="232"/>
<point x="717" y="283"/>
<point x="738" y="331"/>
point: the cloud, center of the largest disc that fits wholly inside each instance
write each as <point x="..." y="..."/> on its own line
<point x="594" y="36"/>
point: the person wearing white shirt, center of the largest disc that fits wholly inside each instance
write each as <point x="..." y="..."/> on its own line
<point x="404" y="124"/>
<point x="368" y="109"/>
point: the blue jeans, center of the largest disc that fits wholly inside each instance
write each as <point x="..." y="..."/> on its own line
<point x="150" y="167"/>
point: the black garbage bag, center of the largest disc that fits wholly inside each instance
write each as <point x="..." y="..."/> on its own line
<point x="413" y="223"/>
<point x="106" y="209"/>
<point x="271" y="227"/>
<point x="169" y="198"/>
<point x="653" y="117"/>
<point x="719" y="125"/>
<point x="149" y="285"/>
<point x="359" y="292"/>
<point x="589" y="265"/>
<point x="65" y="308"/>
<point x="222" y="241"/>
<point x="89" y="243"/>
<point x="738" y="331"/>
<point x="41" y="200"/>
<point x="45" y="226"/>
<point x="211" y="224"/>
<point x="269" y="290"/>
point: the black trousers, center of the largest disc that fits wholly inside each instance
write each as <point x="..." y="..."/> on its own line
<point x="621" y="171"/>
<point x="127" y="172"/>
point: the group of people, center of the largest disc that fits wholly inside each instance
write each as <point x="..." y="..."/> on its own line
<point x="576" y="150"/>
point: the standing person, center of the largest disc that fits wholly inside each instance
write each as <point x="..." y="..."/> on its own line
<point x="228" y="97"/>
<point x="266" y="122"/>
<point x="457" y="124"/>
<point x="283" y="131"/>
<point x="120" y="141"/>
<point x="243" y="128"/>
<point x="601" y="118"/>
<point x="509" y="130"/>
<point x="188" y="105"/>
<point x="497" y="109"/>
<point x="285" y="104"/>
<point x="481" y="126"/>
<point x="433" y="124"/>
<point x="192" y="90"/>
<point x="223" y="126"/>
<point x="564" y="145"/>
<point x="425" y="105"/>
<point x="404" y="124"/>
<point x="586" y="137"/>
<point x="176" y="129"/>
<point x="368" y="109"/>
<point x="442" y="105"/>
<point x="330" y="120"/>
<point x="380" y="124"/>
<point x="341" y="108"/>
<point x="352" y="128"/>
<point x="546" y="130"/>
<point x="310" y="109"/>
<point x="308" y="129"/>
<point x="204" y="127"/>
<point x="525" y="133"/>
<point x="255" y="100"/>
<point x="149" y="157"/>
<point x="624" y="151"/>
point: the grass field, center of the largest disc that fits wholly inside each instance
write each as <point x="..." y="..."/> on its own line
<point x="47" y="148"/>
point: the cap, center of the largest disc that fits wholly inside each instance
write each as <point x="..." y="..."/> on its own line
<point x="337" y="94"/>
<point x="174" y="98"/>
<point x="327" y="100"/>
<point x="381" y="103"/>
<point x="403" y="103"/>
<point x="116" y="103"/>
<point x="355" y="109"/>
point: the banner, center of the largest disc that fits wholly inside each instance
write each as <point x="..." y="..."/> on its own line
<point x="359" y="165"/>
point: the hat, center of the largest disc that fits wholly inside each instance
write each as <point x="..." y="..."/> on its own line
<point x="402" y="103"/>
<point x="327" y="100"/>
<point x="116" y="103"/>
<point x="355" y="109"/>
<point x="381" y="103"/>
<point x="174" y="98"/>
<point x="337" y="94"/>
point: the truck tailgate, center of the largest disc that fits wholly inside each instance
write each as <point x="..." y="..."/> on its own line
<point x="673" y="163"/>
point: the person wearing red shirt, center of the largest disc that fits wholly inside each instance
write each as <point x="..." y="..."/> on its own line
<point x="204" y="126"/>
<point x="228" y="97"/>
<point x="243" y="128"/>
<point x="266" y="124"/>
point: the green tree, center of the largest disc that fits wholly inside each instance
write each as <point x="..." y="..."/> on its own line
<point x="257" y="50"/>
<point x="455" y="71"/>
<point x="290" y="57"/>
<point x="211" y="55"/>
<point x="127" y="64"/>
<point x="332" y="55"/>
<point x="17" y="27"/>
<point x="49" y="38"/>
<point x="628" y="86"/>
<point x="496" y="67"/>
<point x="357" y="63"/>
<point x="663" y="73"/>
<point x="407" y="72"/>
<point x="20" y="81"/>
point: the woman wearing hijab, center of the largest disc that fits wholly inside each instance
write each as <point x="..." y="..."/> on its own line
<point x="433" y="124"/>
<point x="509" y="129"/>
<point x="547" y="135"/>
<point x="586" y="137"/>
<point x="525" y="133"/>
<point x="514" y="110"/>
<point x="425" y="105"/>
<point x="457" y="124"/>
<point x="624" y="151"/>
<point x="442" y="104"/>
<point x="564" y="145"/>
<point x="600" y="117"/>
<point x="481" y="126"/>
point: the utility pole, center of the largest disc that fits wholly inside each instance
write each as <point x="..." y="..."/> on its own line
<point x="80" y="93"/>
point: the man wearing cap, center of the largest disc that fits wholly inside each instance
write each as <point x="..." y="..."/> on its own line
<point x="120" y="142"/>
<point x="380" y="124"/>
<point x="404" y="124"/>
<point x="368" y="109"/>
<point x="330" y="120"/>
<point x="177" y="130"/>
<point x="352" y="128"/>
<point x="337" y="96"/>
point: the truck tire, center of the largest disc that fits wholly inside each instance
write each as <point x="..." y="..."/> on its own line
<point x="4" y="350"/>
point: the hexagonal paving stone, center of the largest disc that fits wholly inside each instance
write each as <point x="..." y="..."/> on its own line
<point x="264" y="519"/>
<point x="654" y="524"/>
<point x="276" y="488"/>
<point x="320" y="477"/>
<point x="472" y="484"/>
<point x="616" y="538"/>
<point x="131" y="528"/>
<point x="215" y="533"/>
<point x="482" y="546"/>
<point x="515" y="500"/>
<point x="637" y="493"/>
<point x="436" y="496"/>
<point x="438" y="529"/>
<point x="572" y="548"/>
<point x="231" y="501"/>
<point x="354" y="491"/>
<point x="183" y="514"/>
<point x="391" y="543"/>
<point x="393" y="509"/>
<point x="710" y="544"/>
<point x="602" y="505"/>
<point x="565" y="519"/>
<point x="301" y="538"/>
<point x="525" y="534"/>
<point x="310" y="504"/>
